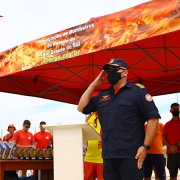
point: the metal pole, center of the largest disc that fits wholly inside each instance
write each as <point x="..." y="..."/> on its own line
<point x="177" y="97"/>
<point x="1" y="133"/>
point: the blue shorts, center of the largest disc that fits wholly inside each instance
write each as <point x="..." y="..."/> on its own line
<point x="159" y="163"/>
<point x="122" y="169"/>
<point x="173" y="163"/>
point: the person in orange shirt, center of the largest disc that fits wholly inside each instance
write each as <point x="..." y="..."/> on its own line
<point x="42" y="138"/>
<point x="23" y="138"/>
<point x="8" y="137"/>
<point x="93" y="162"/>
<point x="155" y="156"/>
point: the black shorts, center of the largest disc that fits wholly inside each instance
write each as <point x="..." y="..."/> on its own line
<point x="159" y="163"/>
<point x="173" y="163"/>
<point x="122" y="169"/>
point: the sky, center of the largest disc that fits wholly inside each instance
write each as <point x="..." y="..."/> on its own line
<point x="24" y="21"/>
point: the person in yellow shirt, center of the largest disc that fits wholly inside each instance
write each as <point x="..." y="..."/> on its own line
<point x="93" y="162"/>
<point x="155" y="156"/>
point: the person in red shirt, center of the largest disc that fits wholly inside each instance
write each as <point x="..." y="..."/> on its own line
<point x="171" y="138"/>
<point x="42" y="138"/>
<point x="8" y="137"/>
<point x="23" y="138"/>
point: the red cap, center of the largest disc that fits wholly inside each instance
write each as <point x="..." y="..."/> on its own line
<point x="11" y="126"/>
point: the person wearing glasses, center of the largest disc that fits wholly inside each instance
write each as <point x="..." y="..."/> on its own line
<point x="24" y="138"/>
<point x="42" y="138"/>
<point x="123" y="109"/>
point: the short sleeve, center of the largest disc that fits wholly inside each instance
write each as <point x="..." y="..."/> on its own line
<point x="91" y="106"/>
<point x="15" y="136"/>
<point x="146" y="104"/>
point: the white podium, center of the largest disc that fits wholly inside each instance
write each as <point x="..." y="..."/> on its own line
<point x="68" y="149"/>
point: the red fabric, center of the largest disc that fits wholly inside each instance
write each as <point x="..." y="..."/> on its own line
<point x="42" y="139"/>
<point x="67" y="80"/>
<point x="23" y="138"/>
<point x="153" y="61"/>
<point x="7" y="138"/>
<point x="92" y="170"/>
<point x="172" y="132"/>
<point x="116" y="90"/>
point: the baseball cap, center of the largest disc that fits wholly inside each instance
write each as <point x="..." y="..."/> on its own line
<point x="115" y="62"/>
<point x="11" y="126"/>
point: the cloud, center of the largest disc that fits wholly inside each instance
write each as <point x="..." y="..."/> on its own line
<point x="16" y="108"/>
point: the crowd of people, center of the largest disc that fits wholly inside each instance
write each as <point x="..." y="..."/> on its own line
<point x="24" y="138"/>
<point x="132" y="136"/>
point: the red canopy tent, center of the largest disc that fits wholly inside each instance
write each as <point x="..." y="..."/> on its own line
<point x="61" y="66"/>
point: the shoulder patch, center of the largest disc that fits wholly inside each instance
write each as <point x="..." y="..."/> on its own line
<point x="140" y="85"/>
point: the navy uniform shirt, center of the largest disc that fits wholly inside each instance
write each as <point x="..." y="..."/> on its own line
<point x="122" y="117"/>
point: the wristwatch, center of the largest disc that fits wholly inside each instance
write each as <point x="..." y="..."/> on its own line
<point x="146" y="146"/>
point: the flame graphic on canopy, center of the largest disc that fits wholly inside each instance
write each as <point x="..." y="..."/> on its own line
<point x="146" y="20"/>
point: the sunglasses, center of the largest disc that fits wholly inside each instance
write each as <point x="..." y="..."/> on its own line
<point x="27" y="127"/>
<point x="115" y="69"/>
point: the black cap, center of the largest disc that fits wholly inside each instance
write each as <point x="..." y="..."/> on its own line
<point x="115" y="62"/>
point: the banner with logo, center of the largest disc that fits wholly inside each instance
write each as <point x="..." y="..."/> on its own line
<point x="136" y="23"/>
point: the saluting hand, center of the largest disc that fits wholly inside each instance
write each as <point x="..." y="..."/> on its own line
<point x="99" y="79"/>
<point x="140" y="156"/>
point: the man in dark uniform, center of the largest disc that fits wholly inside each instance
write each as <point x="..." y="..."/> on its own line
<point x="123" y="110"/>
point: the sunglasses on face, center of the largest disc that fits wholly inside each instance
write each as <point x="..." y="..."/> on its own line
<point x="27" y="127"/>
<point x="115" y="69"/>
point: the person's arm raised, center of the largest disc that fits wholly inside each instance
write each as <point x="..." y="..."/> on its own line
<point x="85" y="98"/>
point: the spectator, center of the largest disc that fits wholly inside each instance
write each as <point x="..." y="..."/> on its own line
<point x="93" y="162"/>
<point x="122" y="109"/>
<point x="42" y="138"/>
<point x="23" y="138"/>
<point x="8" y="137"/>
<point x="171" y="138"/>
<point x="155" y="156"/>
